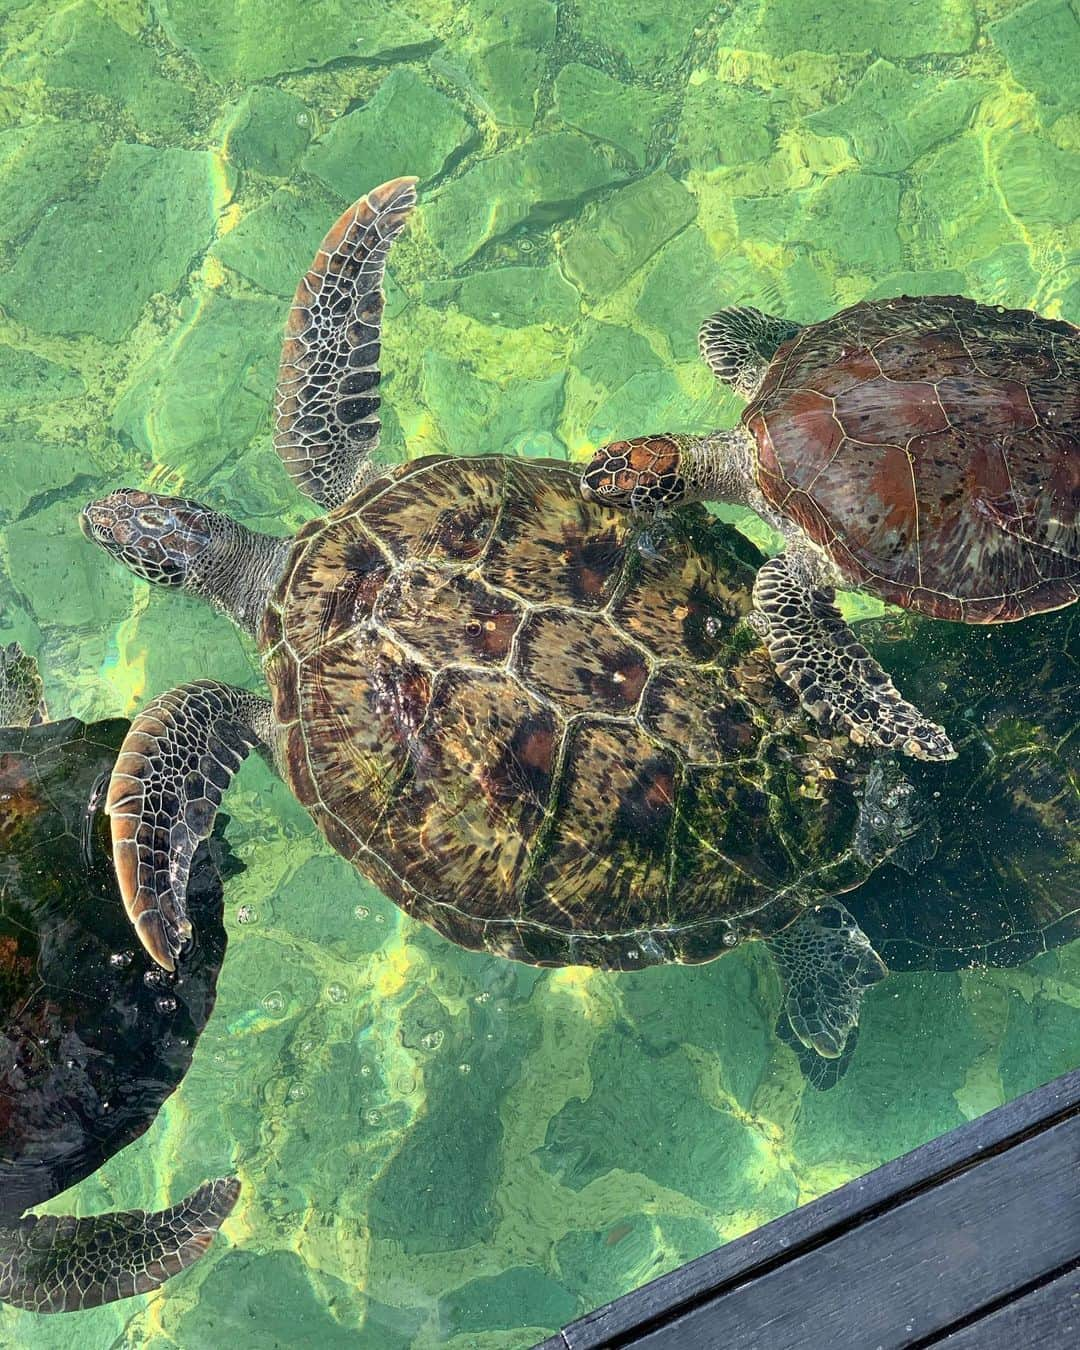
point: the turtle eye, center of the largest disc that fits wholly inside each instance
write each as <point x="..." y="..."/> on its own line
<point x="151" y="518"/>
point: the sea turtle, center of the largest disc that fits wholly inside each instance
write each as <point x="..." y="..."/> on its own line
<point x="924" y="449"/>
<point x="530" y="734"/>
<point x="93" y="1037"/>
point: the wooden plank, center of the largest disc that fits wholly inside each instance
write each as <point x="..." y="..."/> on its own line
<point x="824" y="1220"/>
<point x="1045" y="1319"/>
<point x="909" y="1274"/>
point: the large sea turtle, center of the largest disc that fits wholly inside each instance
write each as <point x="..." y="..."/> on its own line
<point x="924" y="449"/>
<point x="529" y="733"/>
<point x="93" y="1037"/>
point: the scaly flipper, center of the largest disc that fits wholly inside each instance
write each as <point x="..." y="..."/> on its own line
<point x="51" y="1264"/>
<point x="176" y="761"/>
<point x="835" y="677"/>
<point x="326" y="408"/>
<point x="826" y="964"/>
<point x="21" y="701"/>
<point x="738" y="344"/>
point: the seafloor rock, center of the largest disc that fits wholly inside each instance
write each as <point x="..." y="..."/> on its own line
<point x="514" y="297"/>
<point x="471" y="414"/>
<point x="724" y="124"/>
<point x="537" y="182"/>
<point x="956" y="211"/>
<point x="615" y="237"/>
<point x="1040" y="183"/>
<point x="80" y="48"/>
<point x="782" y="27"/>
<point x="116" y="243"/>
<point x="1041" y="42"/>
<point x="891" y="117"/>
<point x="649" y="37"/>
<point x="31" y="381"/>
<point x="255" y="39"/>
<point x="268" y="130"/>
<point x="33" y="468"/>
<point x="623" y="115"/>
<point x="274" y="245"/>
<point x="502" y="56"/>
<point x="408" y="127"/>
<point x="207" y="391"/>
<point x="41" y="164"/>
<point x="686" y="283"/>
<point x="519" y="1297"/>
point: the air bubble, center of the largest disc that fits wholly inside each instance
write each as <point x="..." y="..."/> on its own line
<point x="165" y="1004"/>
<point x="365" y="1070"/>
<point x="121" y="960"/>
<point x="372" y="1117"/>
<point x="274" y="1002"/>
<point x="296" y="1093"/>
<point x="303" y="119"/>
<point x="432" y="1040"/>
<point x="712" y="626"/>
<point x="361" y="912"/>
<point x="730" y="939"/>
<point x="482" y="998"/>
<point x="336" y="993"/>
<point x="464" y="1068"/>
<point x="246" y="914"/>
<point x="154" y="978"/>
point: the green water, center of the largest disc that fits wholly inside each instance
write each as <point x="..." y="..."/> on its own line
<point x="439" y="1148"/>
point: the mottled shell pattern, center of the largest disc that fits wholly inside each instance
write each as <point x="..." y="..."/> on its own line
<point x="931" y="446"/>
<point x="539" y="738"/>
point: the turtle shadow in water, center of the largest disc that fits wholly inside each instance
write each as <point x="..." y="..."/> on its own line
<point x="93" y="1036"/>
<point x="1002" y="882"/>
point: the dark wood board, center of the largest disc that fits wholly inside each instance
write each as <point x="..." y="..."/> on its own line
<point x="1047" y="1317"/>
<point x="974" y="1222"/>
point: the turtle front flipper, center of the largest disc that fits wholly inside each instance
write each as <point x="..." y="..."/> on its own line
<point x="738" y="344"/>
<point x="816" y="654"/>
<point x="176" y="762"/>
<point x="51" y="1264"/>
<point x="826" y="964"/>
<point x="326" y="408"/>
<point x="21" y="701"/>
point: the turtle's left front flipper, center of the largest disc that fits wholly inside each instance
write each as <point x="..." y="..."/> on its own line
<point x="177" y="760"/>
<point x="51" y="1263"/>
<point x="817" y="654"/>
<point x="826" y="964"/>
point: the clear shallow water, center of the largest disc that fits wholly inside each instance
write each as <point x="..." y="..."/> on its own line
<point x="439" y="1148"/>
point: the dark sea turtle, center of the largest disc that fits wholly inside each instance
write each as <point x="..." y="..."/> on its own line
<point x="530" y="734"/>
<point x="93" y="1037"/>
<point x="926" y="450"/>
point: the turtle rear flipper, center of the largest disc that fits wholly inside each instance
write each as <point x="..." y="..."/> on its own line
<point x="826" y="964"/>
<point x="51" y="1263"/>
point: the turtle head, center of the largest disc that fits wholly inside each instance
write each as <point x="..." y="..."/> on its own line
<point x="179" y="543"/>
<point x="166" y="540"/>
<point x="642" y="474"/>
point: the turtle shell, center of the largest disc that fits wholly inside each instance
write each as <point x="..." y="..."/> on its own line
<point x="93" y="1035"/>
<point x="931" y="446"/>
<point x="541" y="739"/>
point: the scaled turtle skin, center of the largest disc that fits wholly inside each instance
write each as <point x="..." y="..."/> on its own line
<point x="93" y="1036"/>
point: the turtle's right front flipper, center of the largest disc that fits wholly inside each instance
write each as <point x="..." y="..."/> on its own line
<point x="177" y="760"/>
<point x="50" y="1263"/>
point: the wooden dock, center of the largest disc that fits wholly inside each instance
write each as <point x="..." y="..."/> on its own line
<point x="971" y="1242"/>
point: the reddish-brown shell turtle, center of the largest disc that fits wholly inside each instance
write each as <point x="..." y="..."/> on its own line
<point x="931" y="446"/>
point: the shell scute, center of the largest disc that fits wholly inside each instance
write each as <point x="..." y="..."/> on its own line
<point x="581" y="661"/>
<point x="428" y="516"/>
<point x="448" y="618"/>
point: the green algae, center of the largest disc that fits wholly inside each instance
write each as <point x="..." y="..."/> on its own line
<point x="429" y="1137"/>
